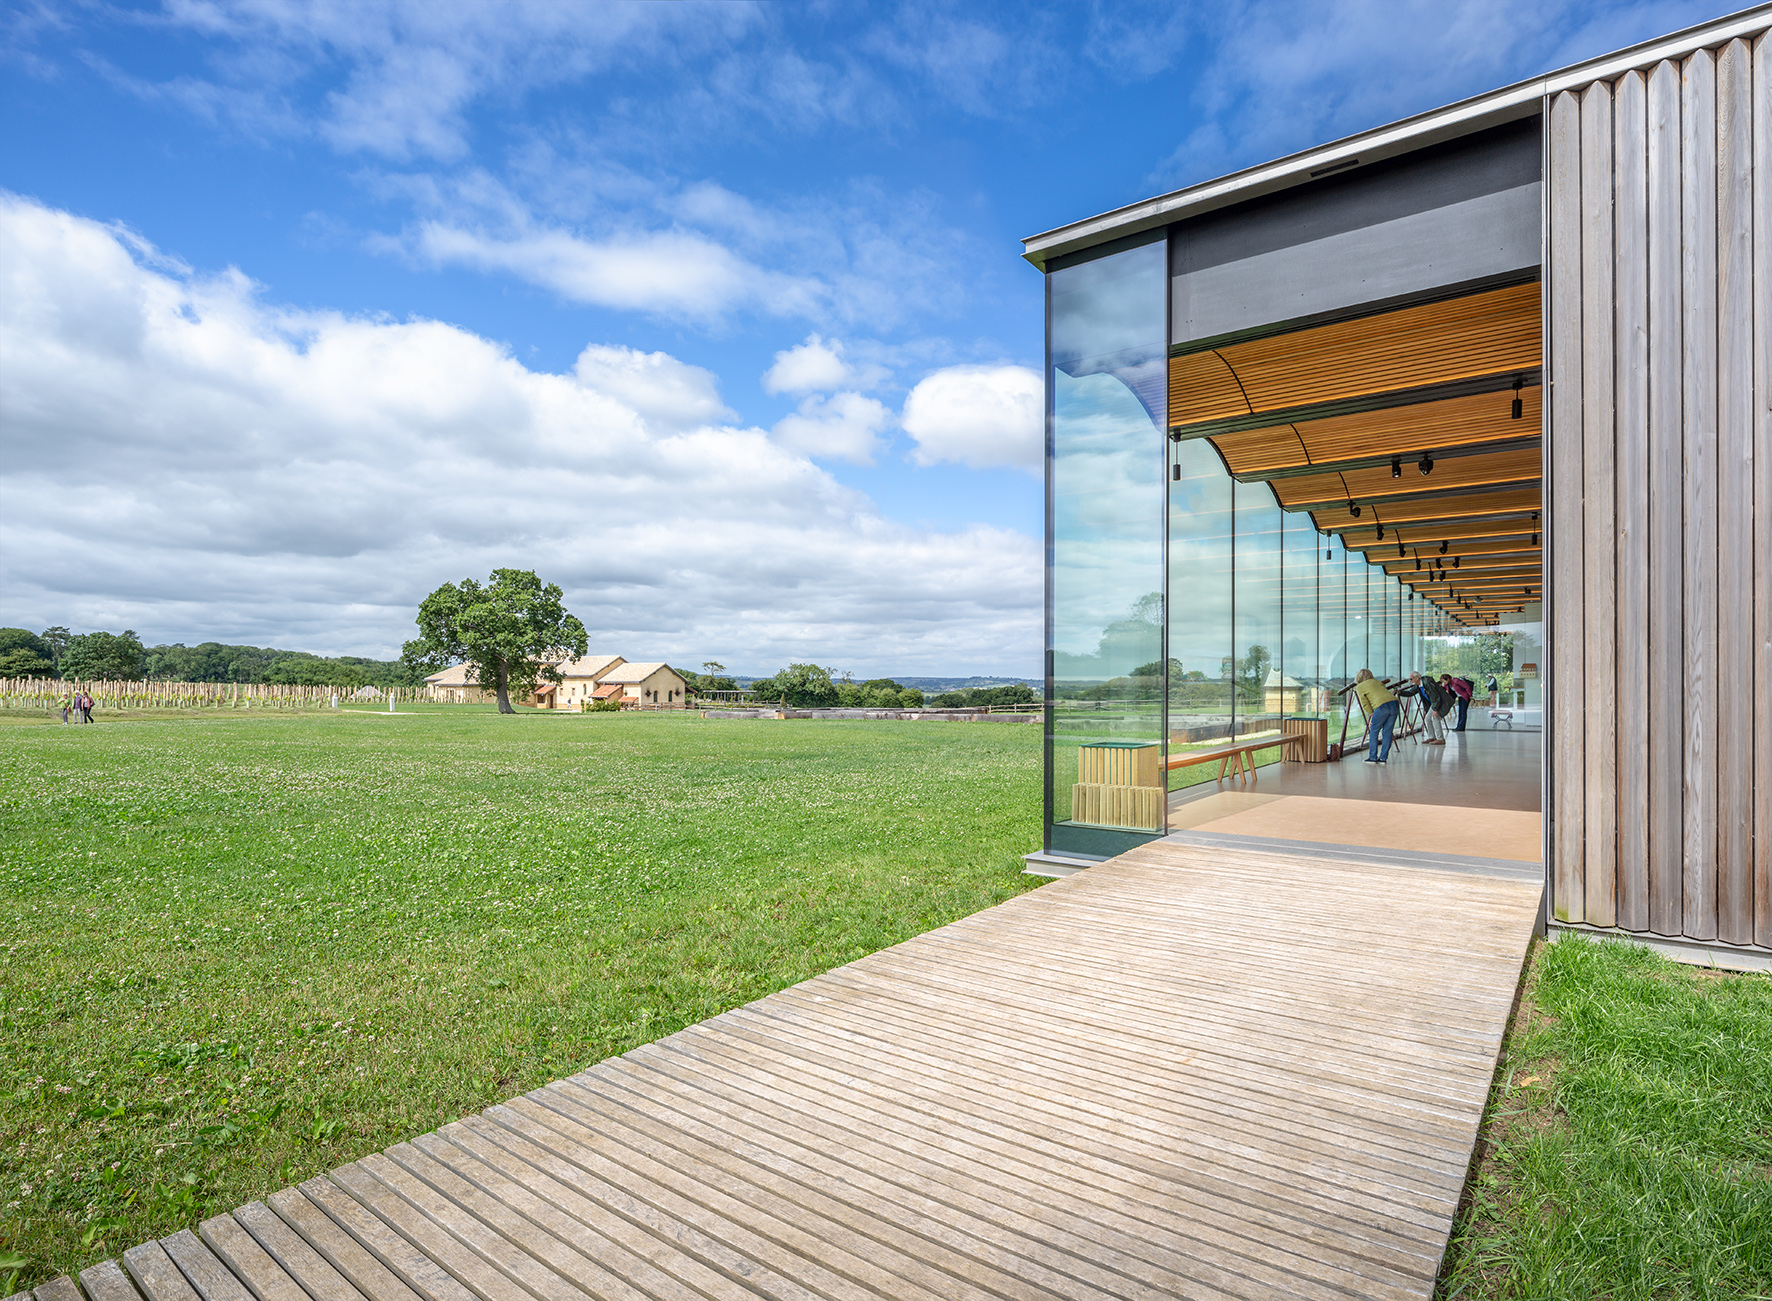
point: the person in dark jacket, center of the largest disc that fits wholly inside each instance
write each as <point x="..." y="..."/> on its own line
<point x="1461" y="689"/>
<point x="1432" y="700"/>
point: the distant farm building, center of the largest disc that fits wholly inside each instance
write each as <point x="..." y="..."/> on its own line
<point x="648" y="685"/>
<point x="584" y="680"/>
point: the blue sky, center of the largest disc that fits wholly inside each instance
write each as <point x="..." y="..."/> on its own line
<point x="712" y="314"/>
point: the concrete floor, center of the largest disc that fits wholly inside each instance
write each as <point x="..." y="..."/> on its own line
<point x="1477" y="795"/>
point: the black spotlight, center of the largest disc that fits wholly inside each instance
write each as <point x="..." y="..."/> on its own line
<point x="1426" y="464"/>
<point x="1380" y="530"/>
<point x="1535" y="539"/>
<point x="1353" y="509"/>
<point x="1396" y="467"/>
<point x="1519" y="406"/>
<point x="1400" y="552"/>
<point x="1443" y="546"/>
<point x="1175" y="472"/>
<point x="1455" y="560"/>
<point x="1418" y="562"/>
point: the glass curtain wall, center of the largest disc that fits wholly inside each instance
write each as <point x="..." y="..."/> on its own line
<point x="1107" y="395"/>
<point x="1256" y="641"/>
<point x="1183" y="608"/>
<point x="1202" y="545"/>
<point x="1302" y="673"/>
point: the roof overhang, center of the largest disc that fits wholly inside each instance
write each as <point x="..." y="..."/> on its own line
<point x="1510" y="103"/>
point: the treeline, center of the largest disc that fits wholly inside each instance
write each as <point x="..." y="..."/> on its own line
<point x="56" y="652"/>
<point x="807" y="686"/>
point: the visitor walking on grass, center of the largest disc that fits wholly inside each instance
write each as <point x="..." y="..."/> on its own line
<point x="67" y="704"/>
<point x="1381" y="715"/>
<point x="84" y="701"/>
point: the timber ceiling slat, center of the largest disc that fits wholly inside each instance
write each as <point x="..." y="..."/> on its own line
<point x="1399" y="431"/>
<point x="1202" y="387"/>
<point x="1370" y="487"/>
<point x="1442" y="509"/>
<point x="1467" y="535"/>
<point x="1459" y="338"/>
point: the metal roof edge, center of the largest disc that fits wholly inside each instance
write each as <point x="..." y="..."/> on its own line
<point x="1491" y="108"/>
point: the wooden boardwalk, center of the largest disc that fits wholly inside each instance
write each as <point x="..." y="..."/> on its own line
<point x="1196" y="1071"/>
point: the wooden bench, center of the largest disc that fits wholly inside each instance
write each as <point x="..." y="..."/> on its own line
<point x="1243" y="756"/>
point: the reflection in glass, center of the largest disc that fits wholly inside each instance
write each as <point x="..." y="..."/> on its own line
<point x="1301" y="665"/>
<point x="1257" y="608"/>
<point x="1108" y="392"/>
<point x="1201" y="671"/>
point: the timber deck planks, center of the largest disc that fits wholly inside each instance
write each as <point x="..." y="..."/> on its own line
<point x="1193" y="1071"/>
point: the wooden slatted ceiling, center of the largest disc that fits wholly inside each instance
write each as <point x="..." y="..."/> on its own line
<point x="1399" y="431"/>
<point x="1460" y="338"/>
<point x="1373" y="485"/>
<point x="1468" y="534"/>
<point x="1480" y="503"/>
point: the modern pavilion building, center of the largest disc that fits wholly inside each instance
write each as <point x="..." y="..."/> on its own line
<point x="1488" y="392"/>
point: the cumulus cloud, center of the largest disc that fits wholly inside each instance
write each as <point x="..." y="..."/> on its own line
<point x="811" y="367"/>
<point x="981" y="416"/>
<point x="184" y="458"/>
<point x="843" y="427"/>
<point x="821" y="365"/>
<point x="665" y="273"/>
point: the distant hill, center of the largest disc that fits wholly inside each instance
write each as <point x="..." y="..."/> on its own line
<point x="935" y="686"/>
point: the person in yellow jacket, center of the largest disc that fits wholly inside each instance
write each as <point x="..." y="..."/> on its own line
<point x="1381" y="714"/>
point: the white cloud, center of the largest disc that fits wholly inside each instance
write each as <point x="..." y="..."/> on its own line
<point x="982" y="416"/>
<point x="187" y="460"/>
<point x="843" y="427"/>
<point x="663" y="273"/>
<point x="816" y="366"/>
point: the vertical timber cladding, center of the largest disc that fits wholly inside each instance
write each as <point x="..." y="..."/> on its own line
<point x="1660" y="459"/>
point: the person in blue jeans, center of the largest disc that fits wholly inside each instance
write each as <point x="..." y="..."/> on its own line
<point x="1381" y="713"/>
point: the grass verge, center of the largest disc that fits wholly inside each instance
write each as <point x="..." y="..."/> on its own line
<point x="1627" y="1148"/>
<point x="241" y="950"/>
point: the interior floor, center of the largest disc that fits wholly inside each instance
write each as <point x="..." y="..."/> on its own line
<point x="1477" y="795"/>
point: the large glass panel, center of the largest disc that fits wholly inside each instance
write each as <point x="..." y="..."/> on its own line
<point x="1390" y="626"/>
<point x="1301" y="666"/>
<point x="1257" y="613"/>
<point x="1107" y="390"/>
<point x="1202" y="670"/>
<point x="1332" y="631"/>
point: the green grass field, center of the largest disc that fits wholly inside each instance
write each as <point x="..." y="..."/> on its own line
<point x="239" y="951"/>
<point x="1627" y="1148"/>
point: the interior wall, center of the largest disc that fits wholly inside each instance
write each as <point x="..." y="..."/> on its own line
<point x="1659" y="474"/>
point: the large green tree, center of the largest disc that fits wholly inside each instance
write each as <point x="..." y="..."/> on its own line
<point x="23" y="654"/>
<point x="514" y="632"/>
<point x="100" y="656"/>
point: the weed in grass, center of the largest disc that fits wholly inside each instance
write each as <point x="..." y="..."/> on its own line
<point x="1627" y="1149"/>
<point x="238" y="951"/>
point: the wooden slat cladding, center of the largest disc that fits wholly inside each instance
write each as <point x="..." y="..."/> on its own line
<point x="1664" y="708"/>
<point x="1735" y="504"/>
<point x="1660" y="495"/>
<point x="1698" y="315"/>
<point x="1460" y="338"/>
<point x="1630" y="339"/>
<point x="1762" y="539"/>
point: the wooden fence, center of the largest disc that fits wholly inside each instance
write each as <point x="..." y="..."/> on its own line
<point x="49" y="693"/>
